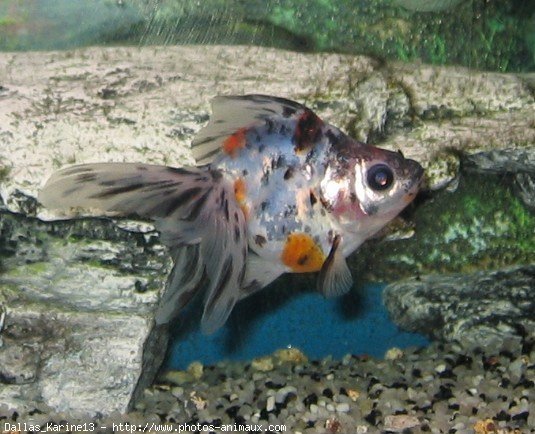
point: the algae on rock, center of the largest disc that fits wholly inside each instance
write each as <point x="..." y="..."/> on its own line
<point x="482" y="225"/>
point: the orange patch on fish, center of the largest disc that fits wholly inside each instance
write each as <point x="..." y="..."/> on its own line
<point x="302" y="254"/>
<point x="240" y="192"/>
<point x="234" y="143"/>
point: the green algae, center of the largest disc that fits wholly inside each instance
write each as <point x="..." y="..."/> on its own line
<point x="493" y="35"/>
<point x="487" y="35"/>
<point x="482" y="225"/>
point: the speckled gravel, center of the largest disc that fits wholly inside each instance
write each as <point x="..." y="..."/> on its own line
<point x="440" y="389"/>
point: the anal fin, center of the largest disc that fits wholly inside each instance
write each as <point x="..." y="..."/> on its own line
<point x="259" y="274"/>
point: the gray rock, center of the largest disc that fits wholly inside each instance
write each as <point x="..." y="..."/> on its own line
<point x="479" y="309"/>
<point x="519" y="162"/>
<point x="77" y="332"/>
<point x="504" y="160"/>
<point x="525" y="184"/>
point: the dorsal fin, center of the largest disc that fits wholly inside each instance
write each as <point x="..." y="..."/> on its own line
<point x="233" y="113"/>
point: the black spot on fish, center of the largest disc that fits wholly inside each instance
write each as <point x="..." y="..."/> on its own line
<point x="215" y="174"/>
<point x="206" y="140"/>
<point x="289" y="173"/>
<point x="353" y="197"/>
<point x="251" y="287"/>
<point x="161" y="185"/>
<point x="332" y="137"/>
<point x="237" y="234"/>
<point x="278" y="162"/>
<point x="302" y="260"/>
<point x="313" y="198"/>
<point x="77" y="170"/>
<point x="265" y="177"/>
<point x="209" y="154"/>
<point x="186" y="296"/>
<point x="224" y="278"/>
<point x="326" y="205"/>
<point x="270" y="126"/>
<point x="310" y="156"/>
<point x="170" y="207"/>
<point x="225" y="209"/>
<point x="371" y="209"/>
<point x="197" y="206"/>
<point x="260" y="240"/>
<point x="264" y="205"/>
<point x="290" y="211"/>
<point x="241" y="276"/>
<point x="86" y="177"/>
<point x="192" y="260"/>
<point x="288" y="111"/>
<point x="284" y="130"/>
<point x="117" y="190"/>
<point x="307" y="130"/>
<point x="178" y="170"/>
<point x="70" y="191"/>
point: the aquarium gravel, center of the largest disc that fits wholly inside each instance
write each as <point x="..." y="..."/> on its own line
<point x="443" y="388"/>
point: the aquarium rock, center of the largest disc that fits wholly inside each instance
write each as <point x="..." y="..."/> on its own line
<point x="482" y="309"/>
<point x="76" y="328"/>
<point x="525" y="184"/>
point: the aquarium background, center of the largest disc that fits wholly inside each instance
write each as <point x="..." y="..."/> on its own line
<point x="494" y="35"/>
<point x="485" y="34"/>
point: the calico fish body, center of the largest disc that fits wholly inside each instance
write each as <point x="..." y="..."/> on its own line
<point x="277" y="190"/>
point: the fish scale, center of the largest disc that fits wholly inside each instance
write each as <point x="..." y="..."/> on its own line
<point x="277" y="190"/>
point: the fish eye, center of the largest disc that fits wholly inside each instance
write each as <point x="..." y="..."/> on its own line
<point x="380" y="177"/>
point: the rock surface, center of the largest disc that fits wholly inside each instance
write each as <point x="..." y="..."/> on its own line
<point x="482" y="309"/>
<point x="77" y="322"/>
<point x="78" y="294"/>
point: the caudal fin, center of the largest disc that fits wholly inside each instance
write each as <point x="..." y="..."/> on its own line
<point x="194" y="209"/>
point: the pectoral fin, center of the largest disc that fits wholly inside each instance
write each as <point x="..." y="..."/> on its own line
<point x="335" y="278"/>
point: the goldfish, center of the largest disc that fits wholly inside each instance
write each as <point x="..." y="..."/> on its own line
<point x="275" y="190"/>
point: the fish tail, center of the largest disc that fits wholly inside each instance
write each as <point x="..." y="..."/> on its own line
<point x="194" y="209"/>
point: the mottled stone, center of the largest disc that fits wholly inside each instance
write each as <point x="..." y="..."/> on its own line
<point x="77" y="332"/>
<point x="525" y="184"/>
<point x="480" y="309"/>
